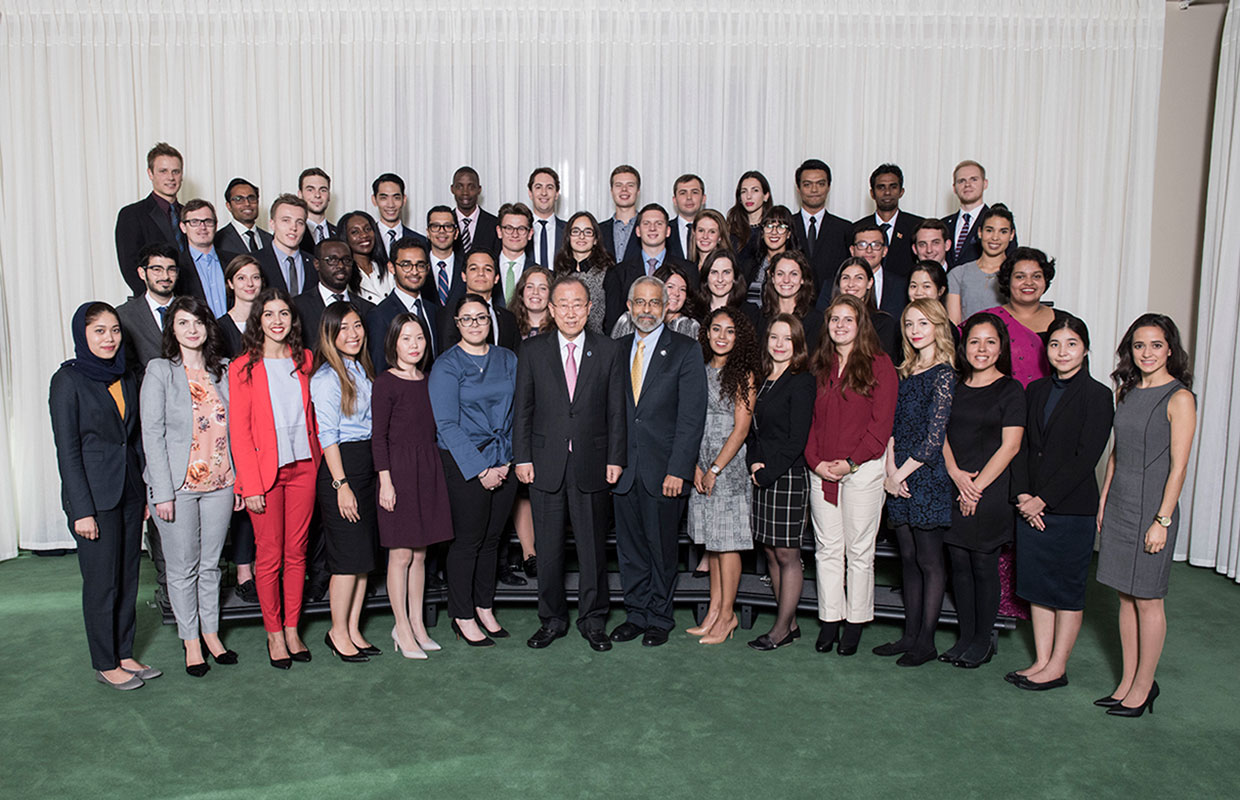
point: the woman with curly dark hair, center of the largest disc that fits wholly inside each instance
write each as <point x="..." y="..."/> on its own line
<point x="719" y="511"/>
<point x="1155" y="417"/>
<point x="789" y="289"/>
<point x="1023" y="280"/>
<point x="586" y="258"/>
<point x="275" y="445"/>
<point x="189" y="472"/>
<point x="853" y="415"/>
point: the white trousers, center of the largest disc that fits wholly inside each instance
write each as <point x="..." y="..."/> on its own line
<point x="844" y="536"/>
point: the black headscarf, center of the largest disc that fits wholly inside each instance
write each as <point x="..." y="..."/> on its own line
<point x="92" y="366"/>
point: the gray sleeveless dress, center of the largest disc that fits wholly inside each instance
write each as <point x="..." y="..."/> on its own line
<point x="1142" y="464"/>
<point x="721" y="521"/>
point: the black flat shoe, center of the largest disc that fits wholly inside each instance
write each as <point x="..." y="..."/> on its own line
<point x="850" y="638"/>
<point x="896" y="648"/>
<point x="796" y="632"/>
<point x="1107" y="702"/>
<point x="543" y="637"/>
<point x="247" y="592"/>
<point x="764" y="642"/>
<point x="498" y="634"/>
<point x="654" y="637"/>
<point x="1013" y="677"/>
<point x="1025" y="683"/>
<point x="278" y="663"/>
<point x="828" y="634"/>
<point x="912" y="659"/>
<point x="530" y="566"/>
<point x="973" y="663"/>
<point x="599" y="641"/>
<point x="510" y="578"/>
<point x="627" y="632"/>
<point x="485" y="641"/>
<point x="1122" y="710"/>
<point x="355" y="658"/>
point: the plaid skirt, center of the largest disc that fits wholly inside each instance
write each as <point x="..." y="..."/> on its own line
<point x="778" y="512"/>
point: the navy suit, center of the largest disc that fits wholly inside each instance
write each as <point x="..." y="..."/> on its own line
<point x="307" y="241"/>
<point x="664" y="431"/>
<point x="380" y="318"/>
<point x="619" y="278"/>
<point x="972" y="249"/>
<point x="381" y="241"/>
<point x="555" y="240"/>
<point x="227" y="239"/>
<point x="273" y="275"/>
<point x="137" y="225"/>
<point x="482" y="236"/>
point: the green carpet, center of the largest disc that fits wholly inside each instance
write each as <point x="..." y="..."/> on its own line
<point x="683" y="720"/>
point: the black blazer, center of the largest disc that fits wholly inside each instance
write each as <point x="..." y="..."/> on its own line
<point x="307" y="240"/>
<point x="310" y="308"/>
<point x="545" y="420"/>
<point x="556" y="240"/>
<point x="228" y="239"/>
<point x="900" y="247"/>
<point x="1056" y="462"/>
<point x="143" y="339"/>
<point x="274" y="276"/>
<point x="830" y="250"/>
<point x="231" y="334"/>
<point x="781" y="420"/>
<point x="137" y="225"/>
<point x="674" y="245"/>
<point x="888" y="329"/>
<point x="665" y="427"/>
<point x="449" y="334"/>
<point x="609" y="239"/>
<point x="484" y="236"/>
<point x="811" y="323"/>
<point x="188" y="281"/>
<point x="380" y="318"/>
<point x="972" y="249"/>
<point x="96" y="450"/>
<point x="456" y="285"/>
<point x="620" y="277"/>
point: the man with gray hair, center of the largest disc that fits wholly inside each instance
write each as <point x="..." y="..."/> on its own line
<point x="665" y="407"/>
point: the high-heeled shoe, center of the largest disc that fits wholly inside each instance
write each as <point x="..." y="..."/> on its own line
<point x="1108" y="702"/>
<point x="699" y="630"/>
<point x="428" y="644"/>
<point x="369" y="649"/>
<point x="226" y="657"/>
<point x="1122" y="710"/>
<point x="196" y="670"/>
<point x="497" y="634"/>
<point x="485" y="641"/>
<point x="356" y="658"/>
<point x="416" y="652"/>
<point x="278" y="663"/>
<point x="765" y="643"/>
<point x="721" y="638"/>
<point x="850" y="638"/>
<point x="828" y="634"/>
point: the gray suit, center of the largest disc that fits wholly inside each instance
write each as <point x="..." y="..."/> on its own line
<point x="143" y="338"/>
<point x="192" y="541"/>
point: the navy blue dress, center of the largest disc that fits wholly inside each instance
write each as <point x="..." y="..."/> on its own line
<point x="923" y="407"/>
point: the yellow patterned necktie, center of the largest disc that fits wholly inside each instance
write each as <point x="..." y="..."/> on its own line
<point x="635" y="374"/>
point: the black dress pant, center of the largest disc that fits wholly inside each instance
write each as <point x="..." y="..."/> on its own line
<point x="109" y="566"/>
<point x="647" y="531"/>
<point x="587" y="512"/>
<point x="478" y="519"/>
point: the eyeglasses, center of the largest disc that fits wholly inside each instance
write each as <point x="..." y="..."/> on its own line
<point x="248" y="199"/>
<point x="336" y="261"/>
<point x="641" y="302"/>
<point x="158" y="272"/>
<point x="437" y="227"/>
<point x="519" y="230"/>
<point x="412" y="266"/>
<point x="869" y="245"/>
<point x="469" y="322"/>
<point x="777" y="227"/>
<point x="574" y="307"/>
<point x="579" y="233"/>
<point x="199" y="223"/>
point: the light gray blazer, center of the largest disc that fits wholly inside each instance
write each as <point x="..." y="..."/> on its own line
<point x="168" y="426"/>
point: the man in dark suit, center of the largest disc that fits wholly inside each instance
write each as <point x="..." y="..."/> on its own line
<point x="445" y="256"/>
<point x="665" y="414"/>
<point x="964" y="245"/>
<point x="688" y="198"/>
<point x="548" y="229"/>
<point x="143" y="316"/>
<point x="315" y="187"/>
<point x="476" y="226"/>
<point x="930" y="241"/>
<point x="887" y="187"/>
<point x="890" y="288"/>
<point x="409" y="270"/>
<point x="652" y="226"/>
<point x="822" y="236"/>
<point x="387" y="195"/>
<point x="516" y="229"/>
<point x="479" y="277"/>
<point x="242" y="235"/>
<point x="202" y="264"/>
<point x="626" y="185"/>
<point x="284" y="265"/>
<point x="569" y="445"/>
<point x="333" y="262"/>
<point x="155" y="218"/>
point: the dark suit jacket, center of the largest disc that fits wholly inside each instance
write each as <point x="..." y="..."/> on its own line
<point x="972" y="249"/>
<point x="137" y="225"/>
<point x="895" y="293"/>
<point x="227" y="239"/>
<point x="310" y="308"/>
<point x="900" y="247"/>
<point x="144" y="339"/>
<point x="830" y="249"/>
<point x="483" y="237"/>
<point x="509" y="337"/>
<point x="307" y="241"/>
<point x="674" y="245"/>
<point x="545" y="420"/>
<point x="1056" y="461"/>
<point x="609" y="238"/>
<point x="555" y="240"/>
<point x="188" y="280"/>
<point x="620" y="277"/>
<point x="381" y="242"/>
<point x="274" y="276"/>
<point x="457" y="285"/>
<point x="380" y="318"/>
<point x="665" y="426"/>
<point x="780" y="429"/>
<point x="96" y="450"/>
<point x="231" y="334"/>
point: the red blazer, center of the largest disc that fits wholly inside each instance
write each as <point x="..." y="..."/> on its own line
<point x="252" y="426"/>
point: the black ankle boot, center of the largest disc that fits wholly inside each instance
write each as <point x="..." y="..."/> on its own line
<point x="827" y="634"/>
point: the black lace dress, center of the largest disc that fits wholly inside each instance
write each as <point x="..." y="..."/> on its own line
<point x="923" y="407"/>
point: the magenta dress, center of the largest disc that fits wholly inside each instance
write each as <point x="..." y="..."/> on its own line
<point x="403" y="442"/>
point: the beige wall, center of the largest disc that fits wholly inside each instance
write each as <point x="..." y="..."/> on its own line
<point x="1182" y="159"/>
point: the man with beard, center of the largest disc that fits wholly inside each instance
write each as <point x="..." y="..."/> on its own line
<point x="887" y="187"/>
<point x="242" y="235"/>
<point x="665" y="413"/>
<point x="409" y="269"/>
<point x="333" y="262"/>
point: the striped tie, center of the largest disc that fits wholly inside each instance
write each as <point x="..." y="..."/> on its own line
<point x="964" y="234"/>
<point x="442" y="283"/>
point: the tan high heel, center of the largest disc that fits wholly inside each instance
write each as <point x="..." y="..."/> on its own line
<point x="731" y="631"/>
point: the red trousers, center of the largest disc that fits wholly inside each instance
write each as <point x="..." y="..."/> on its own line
<point x="280" y="535"/>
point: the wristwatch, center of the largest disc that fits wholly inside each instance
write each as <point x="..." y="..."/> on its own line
<point x="852" y="466"/>
<point x="1163" y="521"/>
<point x="715" y="469"/>
<point x="339" y="483"/>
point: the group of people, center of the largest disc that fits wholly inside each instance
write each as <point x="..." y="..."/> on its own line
<point x="766" y="372"/>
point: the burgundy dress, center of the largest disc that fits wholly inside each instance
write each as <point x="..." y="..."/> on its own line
<point x="403" y="442"/>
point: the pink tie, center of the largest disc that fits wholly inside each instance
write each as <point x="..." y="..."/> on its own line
<point x="570" y="370"/>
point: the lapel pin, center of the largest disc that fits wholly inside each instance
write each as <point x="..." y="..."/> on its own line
<point x="589" y="353"/>
<point x="662" y="352"/>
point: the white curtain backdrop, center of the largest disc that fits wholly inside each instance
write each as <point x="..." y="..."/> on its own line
<point x="1211" y="498"/>
<point x="1057" y="98"/>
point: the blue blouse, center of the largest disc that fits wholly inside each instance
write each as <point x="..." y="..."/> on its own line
<point x="472" y="400"/>
<point x="334" y="426"/>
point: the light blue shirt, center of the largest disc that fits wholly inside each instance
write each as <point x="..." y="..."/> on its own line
<point x="211" y="275"/>
<point x="302" y="266"/>
<point x="651" y="340"/>
<point x="334" y="426"/>
<point x="646" y="268"/>
<point x="287" y="411"/>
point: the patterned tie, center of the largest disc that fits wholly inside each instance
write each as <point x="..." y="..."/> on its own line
<point x="253" y="242"/>
<point x="391" y="241"/>
<point x="654" y="264"/>
<point x="542" y="244"/>
<point x="510" y="281"/>
<point x="442" y="283"/>
<point x="294" y="285"/>
<point x="318" y="235"/>
<point x="886" y="229"/>
<point x="635" y="373"/>
<point x="337" y="297"/>
<point x="466" y="239"/>
<point x="813" y="235"/>
<point x="163" y="316"/>
<point x="964" y="234"/>
<point x="570" y="370"/>
<point x="176" y="226"/>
